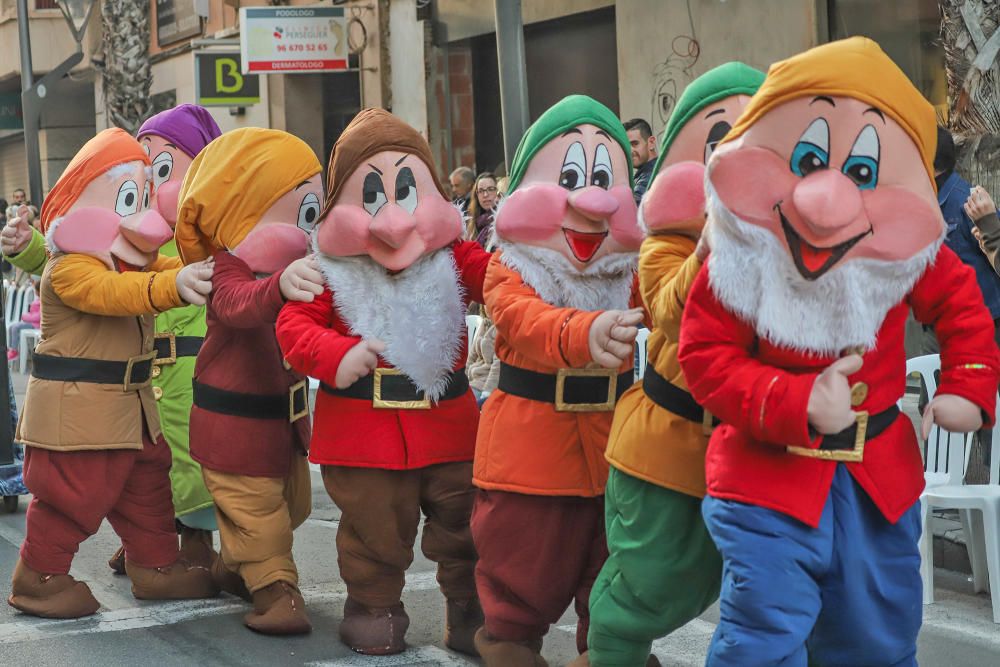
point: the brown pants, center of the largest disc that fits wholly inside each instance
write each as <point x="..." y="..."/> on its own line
<point x="378" y="528"/>
<point x="256" y="517"/>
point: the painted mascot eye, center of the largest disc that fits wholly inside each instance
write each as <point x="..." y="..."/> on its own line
<point x="574" y="169"/>
<point x="812" y="152"/>
<point x="163" y="166"/>
<point x="127" y="202"/>
<point x="373" y="193"/>
<point x="861" y="165"/>
<point x="715" y="135"/>
<point x="602" y="176"/>
<point x="406" y="189"/>
<point x="308" y="213"/>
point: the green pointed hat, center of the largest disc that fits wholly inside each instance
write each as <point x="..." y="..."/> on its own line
<point x="564" y="115"/>
<point x="732" y="78"/>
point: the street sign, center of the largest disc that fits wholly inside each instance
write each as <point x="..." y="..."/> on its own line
<point x="293" y="39"/>
<point x="176" y="20"/>
<point x="11" y="116"/>
<point x="220" y="81"/>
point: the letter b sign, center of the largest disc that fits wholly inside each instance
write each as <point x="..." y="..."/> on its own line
<point x="221" y="82"/>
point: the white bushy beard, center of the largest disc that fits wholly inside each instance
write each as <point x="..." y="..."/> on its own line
<point x="606" y="284"/>
<point x="753" y="275"/>
<point x="418" y="313"/>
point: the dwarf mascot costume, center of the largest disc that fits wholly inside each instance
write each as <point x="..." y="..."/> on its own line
<point x="90" y="423"/>
<point x="825" y="231"/>
<point x="663" y="569"/>
<point x="558" y="292"/>
<point x="395" y="419"/>
<point x="249" y="200"/>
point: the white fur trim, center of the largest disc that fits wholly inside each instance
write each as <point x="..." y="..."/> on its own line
<point x="124" y="169"/>
<point x="752" y="274"/>
<point x="418" y="313"/>
<point x="604" y="285"/>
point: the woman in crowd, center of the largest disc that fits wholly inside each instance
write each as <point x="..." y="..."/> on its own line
<point x="481" y="208"/>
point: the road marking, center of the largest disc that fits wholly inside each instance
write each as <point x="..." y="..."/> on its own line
<point x="153" y="614"/>
<point x="413" y="657"/>
<point x="323" y="524"/>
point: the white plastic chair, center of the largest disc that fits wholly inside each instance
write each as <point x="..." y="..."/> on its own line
<point x="978" y="504"/>
<point x="641" y="341"/>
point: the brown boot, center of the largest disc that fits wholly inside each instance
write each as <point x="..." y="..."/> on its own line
<point x="229" y="581"/>
<point x="374" y="631"/>
<point x="278" y="609"/>
<point x="180" y="581"/>
<point x="117" y="562"/>
<point x="462" y="619"/>
<point x="196" y="546"/>
<point x="50" y="595"/>
<point x="497" y="653"/>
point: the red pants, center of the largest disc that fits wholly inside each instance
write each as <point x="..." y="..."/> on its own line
<point x="536" y="555"/>
<point x="74" y="491"/>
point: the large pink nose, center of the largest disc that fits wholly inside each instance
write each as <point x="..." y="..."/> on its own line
<point x="146" y="230"/>
<point x="827" y="201"/>
<point x="166" y="201"/>
<point x="393" y="226"/>
<point x="593" y="203"/>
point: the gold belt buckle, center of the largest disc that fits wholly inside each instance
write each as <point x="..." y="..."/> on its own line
<point x="381" y="403"/>
<point x="172" y="359"/>
<point x="127" y="385"/>
<point x="293" y="415"/>
<point x="855" y="455"/>
<point x="605" y="406"/>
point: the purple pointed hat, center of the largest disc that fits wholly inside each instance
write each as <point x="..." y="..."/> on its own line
<point x="189" y="126"/>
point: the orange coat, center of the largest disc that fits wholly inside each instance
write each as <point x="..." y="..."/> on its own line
<point x="525" y="446"/>
<point x="646" y="440"/>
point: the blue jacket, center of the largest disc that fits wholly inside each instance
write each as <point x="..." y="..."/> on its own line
<point x="951" y="198"/>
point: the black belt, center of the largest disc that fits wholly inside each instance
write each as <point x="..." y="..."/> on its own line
<point x="846" y="439"/>
<point x="290" y="406"/>
<point x="391" y="388"/>
<point x="132" y="374"/>
<point x="671" y="397"/>
<point x="571" y="389"/>
<point x="170" y="347"/>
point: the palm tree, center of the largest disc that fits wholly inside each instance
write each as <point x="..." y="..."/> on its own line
<point x="127" y="73"/>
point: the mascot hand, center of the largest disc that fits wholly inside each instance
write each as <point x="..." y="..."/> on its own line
<point x="612" y="336"/>
<point x="16" y="233"/>
<point x="830" y="401"/>
<point x="194" y="282"/>
<point x="952" y="413"/>
<point x="359" y="361"/>
<point x="301" y="280"/>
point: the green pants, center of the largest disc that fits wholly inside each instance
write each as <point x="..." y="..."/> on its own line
<point x="662" y="571"/>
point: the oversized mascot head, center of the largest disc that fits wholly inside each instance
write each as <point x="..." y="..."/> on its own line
<point x="172" y="139"/>
<point x="704" y="114"/>
<point x="100" y="204"/>
<point x="254" y="192"/>
<point x="821" y="199"/>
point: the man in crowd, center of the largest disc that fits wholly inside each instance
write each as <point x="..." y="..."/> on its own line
<point x="640" y="137"/>
<point x="17" y="199"/>
<point x="462" y="180"/>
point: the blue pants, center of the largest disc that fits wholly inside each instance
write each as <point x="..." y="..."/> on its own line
<point x="849" y="590"/>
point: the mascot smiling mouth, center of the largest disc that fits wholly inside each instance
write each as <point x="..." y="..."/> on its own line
<point x="811" y="261"/>
<point x="584" y="245"/>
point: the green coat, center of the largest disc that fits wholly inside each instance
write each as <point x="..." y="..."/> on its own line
<point x="173" y="383"/>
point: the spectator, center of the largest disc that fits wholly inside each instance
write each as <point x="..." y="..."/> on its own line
<point x="481" y="207"/>
<point x="640" y="136"/>
<point x="3" y="210"/>
<point x="983" y="213"/>
<point x="18" y="197"/>
<point x="30" y="320"/>
<point x="462" y="180"/>
<point x="483" y="366"/>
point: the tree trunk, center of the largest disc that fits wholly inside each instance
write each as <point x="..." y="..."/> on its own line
<point x="127" y="73"/>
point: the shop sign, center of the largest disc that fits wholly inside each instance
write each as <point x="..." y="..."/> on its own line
<point x="293" y="39"/>
<point x="11" y="117"/>
<point x="220" y="81"/>
<point x="176" y="20"/>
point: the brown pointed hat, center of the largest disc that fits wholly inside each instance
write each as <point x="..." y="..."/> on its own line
<point x="373" y="131"/>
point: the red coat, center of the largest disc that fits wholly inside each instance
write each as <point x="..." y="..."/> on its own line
<point x="240" y="353"/>
<point x="761" y="393"/>
<point x="349" y="431"/>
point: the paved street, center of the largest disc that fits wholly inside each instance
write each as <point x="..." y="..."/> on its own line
<point x="958" y="630"/>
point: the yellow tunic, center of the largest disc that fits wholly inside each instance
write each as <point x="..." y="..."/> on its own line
<point x="647" y="441"/>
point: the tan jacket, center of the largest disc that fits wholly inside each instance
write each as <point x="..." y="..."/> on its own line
<point x="483" y="366"/>
<point x="90" y="311"/>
